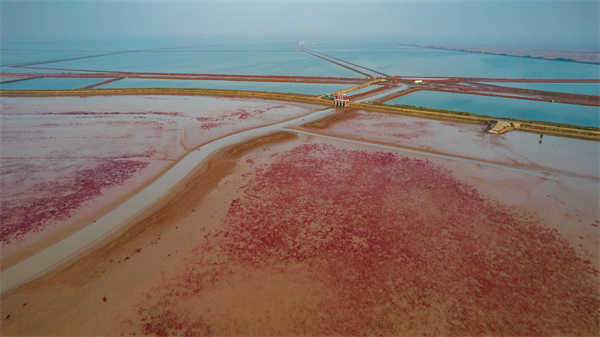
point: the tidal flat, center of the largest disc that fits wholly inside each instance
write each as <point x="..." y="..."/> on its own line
<point x="372" y="224"/>
<point x="65" y="162"/>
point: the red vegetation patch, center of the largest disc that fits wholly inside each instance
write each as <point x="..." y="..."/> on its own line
<point x="383" y="126"/>
<point x="400" y="247"/>
<point x="232" y="117"/>
<point x="146" y="154"/>
<point x="410" y="131"/>
<point x="160" y="320"/>
<point x="101" y="114"/>
<point x="57" y="201"/>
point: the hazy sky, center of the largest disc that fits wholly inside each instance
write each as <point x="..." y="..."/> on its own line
<point x="492" y="22"/>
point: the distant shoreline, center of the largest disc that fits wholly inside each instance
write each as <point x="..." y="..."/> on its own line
<point x="538" y="54"/>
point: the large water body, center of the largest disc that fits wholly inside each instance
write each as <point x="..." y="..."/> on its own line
<point x="281" y="59"/>
<point x="284" y="87"/>
<point x="220" y="57"/>
<point x="50" y="84"/>
<point x="504" y="107"/>
<point x="576" y="88"/>
<point x="414" y="61"/>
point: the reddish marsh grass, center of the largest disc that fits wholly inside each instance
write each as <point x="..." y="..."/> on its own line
<point x="233" y="117"/>
<point x="56" y="201"/>
<point x="391" y="245"/>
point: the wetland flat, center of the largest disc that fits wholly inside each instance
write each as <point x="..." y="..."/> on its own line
<point x="67" y="161"/>
<point x="375" y="224"/>
<point x="225" y="215"/>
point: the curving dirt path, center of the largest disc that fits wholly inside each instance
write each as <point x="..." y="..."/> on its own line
<point x="31" y="267"/>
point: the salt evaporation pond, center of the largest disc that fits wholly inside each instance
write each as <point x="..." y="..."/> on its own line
<point x="230" y="61"/>
<point x="363" y="90"/>
<point x="14" y="56"/>
<point x="576" y="88"/>
<point x="414" y="61"/>
<point x="280" y="59"/>
<point x="504" y="107"/>
<point x="297" y="88"/>
<point x="50" y="84"/>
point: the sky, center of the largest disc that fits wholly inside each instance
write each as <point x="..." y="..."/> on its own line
<point x="573" y="23"/>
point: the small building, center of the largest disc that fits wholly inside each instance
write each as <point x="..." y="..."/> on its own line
<point x="419" y="82"/>
<point x="341" y="100"/>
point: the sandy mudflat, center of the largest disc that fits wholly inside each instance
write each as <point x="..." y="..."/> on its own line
<point x="470" y="140"/>
<point x="293" y="234"/>
<point x="66" y="161"/>
<point x="565" y="194"/>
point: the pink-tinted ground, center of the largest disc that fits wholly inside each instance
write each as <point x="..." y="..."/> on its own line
<point x="374" y="242"/>
<point x="320" y="237"/>
<point x="470" y="140"/>
<point x="566" y="197"/>
<point x="67" y="161"/>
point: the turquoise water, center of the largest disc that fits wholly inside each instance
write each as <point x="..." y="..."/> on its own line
<point x="221" y="57"/>
<point x="297" y="88"/>
<point x="246" y="47"/>
<point x="504" y="107"/>
<point x="363" y="90"/>
<point x="11" y="57"/>
<point x="369" y="48"/>
<point x="576" y="88"/>
<point x="15" y="53"/>
<point x="448" y="63"/>
<point x="217" y="59"/>
<point x="240" y="63"/>
<point x="281" y="59"/>
<point x="51" y="84"/>
<point x="414" y="61"/>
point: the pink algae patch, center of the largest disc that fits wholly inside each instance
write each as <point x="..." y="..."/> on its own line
<point x="385" y="127"/>
<point x="394" y="245"/>
<point x="32" y="209"/>
<point x="233" y="117"/>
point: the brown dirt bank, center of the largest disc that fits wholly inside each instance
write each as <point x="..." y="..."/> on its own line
<point x="369" y="93"/>
<point x="47" y="240"/>
<point x="563" y="130"/>
<point x="76" y="282"/>
<point x="167" y="91"/>
<point x="318" y="237"/>
<point x="338" y="116"/>
<point x="172" y="207"/>
<point x="54" y="182"/>
<point x="322" y="132"/>
<point x="537" y="127"/>
<point x="507" y="92"/>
